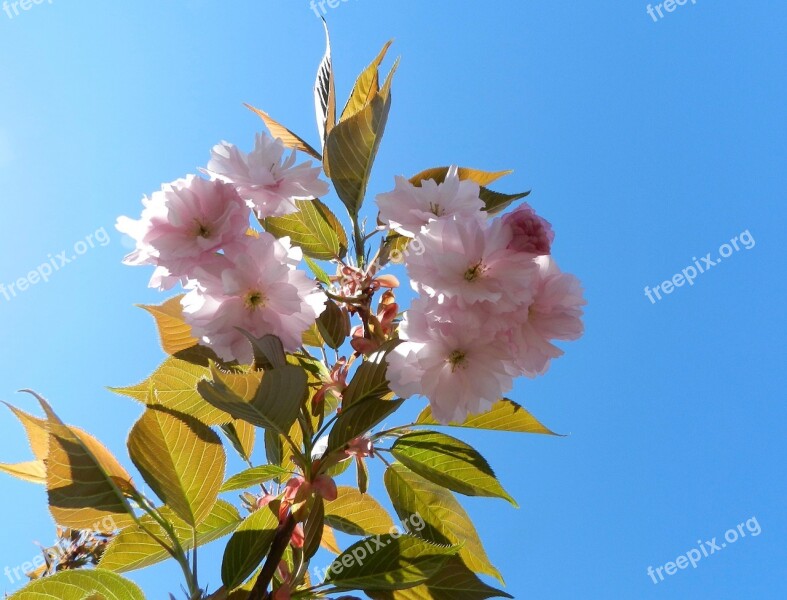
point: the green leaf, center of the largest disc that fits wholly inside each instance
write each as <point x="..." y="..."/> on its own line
<point x="454" y="581"/>
<point x="134" y="549"/>
<point x="318" y="271"/>
<point x="248" y="546"/>
<point x="242" y="436"/>
<point x="254" y="476"/>
<point x="314" y="229"/>
<point x="181" y="459"/>
<point x="388" y="562"/>
<point x="276" y="404"/>
<point x="352" y="146"/>
<point x="369" y="380"/>
<point x="448" y="462"/>
<point x="334" y="325"/>
<point x="313" y="528"/>
<point x="366" y="86"/>
<point x="360" y="418"/>
<point x="363" y="474"/>
<point x="174" y="386"/>
<point x="446" y="522"/>
<point x="439" y="174"/>
<point x="355" y="513"/>
<point x="288" y="138"/>
<point x="312" y="337"/>
<point x="506" y="415"/>
<point x="87" y="487"/>
<point x="81" y="584"/>
<point x="394" y="248"/>
<point x="268" y="351"/>
<point x="494" y="202"/>
<point x="325" y="92"/>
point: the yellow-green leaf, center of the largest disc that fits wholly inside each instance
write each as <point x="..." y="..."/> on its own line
<point x="325" y="91"/>
<point x="134" y="549"/>
<point x="181" y="459"/>
<point x="448" y="462"/>
<point x="388" y="562"/>
<point x="242" y="436"/>
<point x="79" y="585"/>
<point x="446" y="522"/>
<point x="334" y="325"/>
<point x="366" y="86"/>
<point x="288" y="138"/>
<point x="506" y="415"/>
<point x="494" y="202"/>
<point x="313" y="228"/>
<point x="33" y="471"/>
<point x="174" y="386"/>
<point x="354" y="513"/>
<point x="360" y="418"/>
<point x="174" y="332"/>
<point x="86" y="485"/>
<point x="352" y="146"/>
<point x="438" y="174"/>
<point x="254" y="476"/>
<point x="248" y="546"/>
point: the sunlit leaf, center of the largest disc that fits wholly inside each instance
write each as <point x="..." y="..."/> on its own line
<point x="454" y="581"/>
<point x="254" y="476"/>
<point x="314" y="229"/>
<point x="352" y="146"/>
<point x="181" y="459"/>
<point x="242" y="436"/>
<point x="388" y="562"/>
<point x="360" y="418"/>
<point x="446" y="522"/>
<point x="354" y="513"/>
<point x="366" y="86"/>
<point x="448" y="462"/>
<point x="506" y="415"/>
<point x="438" y="174"/>
<point x="174" y="332"/>
<point x="248" y="546"/>
<point x="33" y="471"/>
<point x="334" y="325"/>
<point x="79" y="585"/>
<point x="287" y="137"/>
<point x="134" y="549"/>
<point x="313" y="528"/>
<point x="369" y="380"/>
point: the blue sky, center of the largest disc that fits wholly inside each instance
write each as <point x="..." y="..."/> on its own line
<point x="645" y="143"/>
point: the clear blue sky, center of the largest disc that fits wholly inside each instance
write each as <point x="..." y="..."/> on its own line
<point x="645" y="143"/>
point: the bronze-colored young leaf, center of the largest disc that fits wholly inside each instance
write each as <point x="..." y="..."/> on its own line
<point x="334" y="325"/>
<point x="33" y="471"/>
<point x="288" y="138"/>
<point x="174" y="332"/>
<point x="80" y="585"/>
<point x="352" y="146"/>
<point x="174" y="386"/>
<point x="242" y="436"/>
<point x="355" y="513"/>
<point x="325" y="92"/>
<point x="134" y="549"/>
<point x="248" y="546"/>
<point x="86" y="485"/>
<point x="448" y="462"/>
<point x="438" y="174"/>
<point x="454" y="581"/>
<point x="388" y="562"/>
<point x="254" y="476"/>
<point x="506" y="415"/>
<point x="314" y="229"/>
<point x="445" y="521"/>
<point x="181" y="459"/>
<point x="366" y="86"/>
<point x="329" y="540"/>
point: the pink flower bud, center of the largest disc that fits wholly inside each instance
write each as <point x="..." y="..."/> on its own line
<point x="531" y="233"/>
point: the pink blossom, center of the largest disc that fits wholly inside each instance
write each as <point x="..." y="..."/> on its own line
<point x="257" y="289"/>
<point x="471" y="261"/>
<point x="555" y="314"/>
<point x="265" y="178"/>
<point x="530" y="233"/>
<point x="409" y="207"/>
<point x="183" y="226"/>
<point x="452" y="359"/>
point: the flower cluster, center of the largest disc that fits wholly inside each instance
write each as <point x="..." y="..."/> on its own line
<point x="491" y="298"/>
<point x="196" y="232"/>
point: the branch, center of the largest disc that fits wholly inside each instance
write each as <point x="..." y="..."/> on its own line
<point x="280" y="544"/>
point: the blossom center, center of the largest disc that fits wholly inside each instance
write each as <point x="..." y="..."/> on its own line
<point x="457" y="359"/>
<point x="474" y="272"/>
<point x="436" y="209"/>
<point x="255" y="299"/>
<point x="203" y="230"/>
